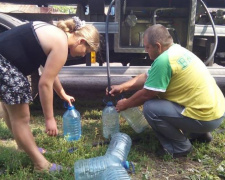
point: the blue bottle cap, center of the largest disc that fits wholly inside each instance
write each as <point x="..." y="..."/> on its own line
<point x="109" y="103"/>
<point x="126" y="164"/>
<point x="70" y="107"/>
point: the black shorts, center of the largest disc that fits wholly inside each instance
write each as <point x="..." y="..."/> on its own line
<point x="14" y="86"/>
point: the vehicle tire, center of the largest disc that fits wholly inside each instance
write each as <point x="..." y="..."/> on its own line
<point x="8" y="22"/>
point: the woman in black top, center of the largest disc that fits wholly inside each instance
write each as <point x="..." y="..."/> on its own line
<point x="22" y="50"/>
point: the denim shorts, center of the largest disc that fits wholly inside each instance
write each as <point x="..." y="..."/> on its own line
<point x="14" y="86"/>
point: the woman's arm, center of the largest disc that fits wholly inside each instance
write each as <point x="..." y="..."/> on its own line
<point x="55" y="45"/>
<point x="60" y="91"/>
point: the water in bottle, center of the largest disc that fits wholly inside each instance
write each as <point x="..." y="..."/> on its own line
<point x="91" y="169"/>
<point x="119" y="146"/>
<point x="115" y="173"/>
<point x="71" y="124"/>
<point x="110" y="120"/>
<point x="135" y="119"/>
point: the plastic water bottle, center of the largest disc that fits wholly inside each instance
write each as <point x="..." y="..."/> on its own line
<point x="135" y="119"/>
<point x="119" y="146"/>
<point x="92" y="169"/>
<point x="115" y="173"/>
<point x="110" y="120"/>
<point x="71" y="124"/>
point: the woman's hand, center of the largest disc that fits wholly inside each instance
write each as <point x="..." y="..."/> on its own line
<point x="68" y="99"/>
<point x="51" y="127"/>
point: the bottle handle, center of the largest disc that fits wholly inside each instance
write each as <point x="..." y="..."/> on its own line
<point x="132" y="171"/>
<point x="66" y="105"/>
<point x="104" y="101"/>
<point x="107" y="99"/>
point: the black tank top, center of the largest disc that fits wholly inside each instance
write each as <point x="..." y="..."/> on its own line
<point x="21" y="47"/>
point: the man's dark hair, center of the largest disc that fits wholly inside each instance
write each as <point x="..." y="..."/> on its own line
<point x="158" y="33"/>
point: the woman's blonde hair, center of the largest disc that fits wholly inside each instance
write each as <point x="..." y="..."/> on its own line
<point x="88" y="32"/>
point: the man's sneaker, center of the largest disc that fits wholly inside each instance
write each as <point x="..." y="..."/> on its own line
<point x="203" y="138"/>
<point x="183" y="154"/>
<point x="163" y="152"/>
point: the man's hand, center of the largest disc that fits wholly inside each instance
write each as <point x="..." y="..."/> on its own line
<point x="115" y="90"/>
<point x="121" y="105"/>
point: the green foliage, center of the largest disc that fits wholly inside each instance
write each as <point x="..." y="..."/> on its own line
<point x="93" y="114"/>
<point x="4" y="131"/>
<point x="65" y="9"/>
<point x="221" y="169"/>
<point x="205" y="162"/>
<point x="12" y="160"/>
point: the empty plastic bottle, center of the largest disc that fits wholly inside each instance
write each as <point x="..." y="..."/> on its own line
<point x="135" y="119"/>
<point x="115" y="173"/>
<point x="71" y="124"/>
<point x="91" y="169"/>
<point x="110" y="120"/>
<point x="119" y="146"/>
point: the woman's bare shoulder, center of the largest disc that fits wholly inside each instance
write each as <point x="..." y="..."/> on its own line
<point x="50" y="37"/>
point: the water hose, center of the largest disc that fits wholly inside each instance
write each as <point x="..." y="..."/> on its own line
<point x="215" y="34"/>
<point x="107" y="44"/>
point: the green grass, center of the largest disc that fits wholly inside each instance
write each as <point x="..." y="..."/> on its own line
<point x="206" y="162"/>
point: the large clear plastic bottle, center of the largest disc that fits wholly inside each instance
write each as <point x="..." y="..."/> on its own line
<point x="115" y="173"/>
<point x="92" y="169"/>
<point x="71" y="124"/>
<point x="119" y="146"/>
<point x="110" y="120"/>
<point x="135" y="119"/>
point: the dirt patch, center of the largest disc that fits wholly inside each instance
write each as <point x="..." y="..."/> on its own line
<point x="178" y="169"/>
